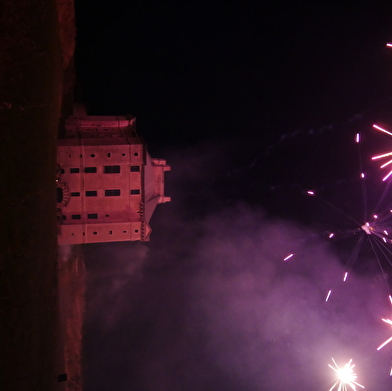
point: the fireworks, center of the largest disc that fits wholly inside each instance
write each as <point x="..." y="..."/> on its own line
<point x="384" y="155"/>
<point x="389" y="321"/>
<point x="389" y="339"/>
<point x="346" y="378"/>
<point x="288" y="257"/>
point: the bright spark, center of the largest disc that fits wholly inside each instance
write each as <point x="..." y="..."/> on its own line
<point x="345" y="276"/>
<point x="357" y="138"/>
<point x="389" y="45"/>
<point x="328" y="295"/>
<point x="381" y="129"/>
<point x="346" y="377"/>
<point x="331" y="235"/>
<point x="389" y="321"/>
<point x="384" y="154"/>
<point x="311" y="192"/>
<point x="288" y="257"/>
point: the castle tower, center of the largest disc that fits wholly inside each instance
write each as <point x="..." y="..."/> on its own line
<point x="107" y="184"/>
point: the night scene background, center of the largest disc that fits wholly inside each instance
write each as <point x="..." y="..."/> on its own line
<point x="252" y="104"/>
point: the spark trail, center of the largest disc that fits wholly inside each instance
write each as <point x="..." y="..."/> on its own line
<point x="385" y="156"/>
<point x="388" y="321"/>
<point x="374" y="230"/>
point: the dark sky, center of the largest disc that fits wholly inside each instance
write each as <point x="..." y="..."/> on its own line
<point x="251" y="104"/>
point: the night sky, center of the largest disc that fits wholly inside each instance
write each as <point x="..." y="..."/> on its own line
<point x="251" y="104"/>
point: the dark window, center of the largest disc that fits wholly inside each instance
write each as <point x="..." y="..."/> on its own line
<point x="75" y="194"/>
<point x="92" y="155"/>
<point x="74" y="170"/>
<point x="112" y="193"/>
<point x="90" y="169"/>
<point x="136" y="154"/>
<point x="59" y="193"/>
<point x="109" y="152"/>
<point x="136" y="231"/>
<point x="62" y="171"/>
<point x="64" y="217"/>
<point x="123" y="154"/>
<point x="111" y="169"/>
<point x="76" y="217"/>
<point x="110" y="232"/>
<point x="135" y="191"/>
<point x="91" y="193"/>
<point x="92" y="216"/>
<point x="135" y="168"/>
<point x="62" y="377"/>
<point x="95" y="232"/>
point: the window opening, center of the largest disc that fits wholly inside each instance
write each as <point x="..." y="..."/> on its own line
<point x="112" y="193"/>
<point x="91" y="193"/>
<point x="111" y="169"/>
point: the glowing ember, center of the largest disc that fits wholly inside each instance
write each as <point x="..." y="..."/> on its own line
<point x="345" y="377"/>
<point x="311" y="192"/>
<point x="288" y="257"/>
<point x="328" y="295"/>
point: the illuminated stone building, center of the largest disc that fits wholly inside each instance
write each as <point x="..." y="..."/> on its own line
<point x="107" y="184"/>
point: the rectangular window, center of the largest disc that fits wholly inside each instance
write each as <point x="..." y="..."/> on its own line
<point x="75" y="194"/>
<point x="135" y="168"/>
<point x="91" y="193"/>
<point x="76" y="217"/>
<point x="74" y="170"/>
<point x="135" y="191"/>
<point x="92" y="215"/>
<point x="111" y="169"/>
<point x="112" y="193"/>
<point x="90" y="170"/>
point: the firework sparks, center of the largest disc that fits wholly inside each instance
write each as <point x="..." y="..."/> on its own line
<point x="288" y="257"/>
<point x="384" y="155"/>
<point x="346" y="377"/>
<point x="328" y="295"/>
<point x="389" y="321"/>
